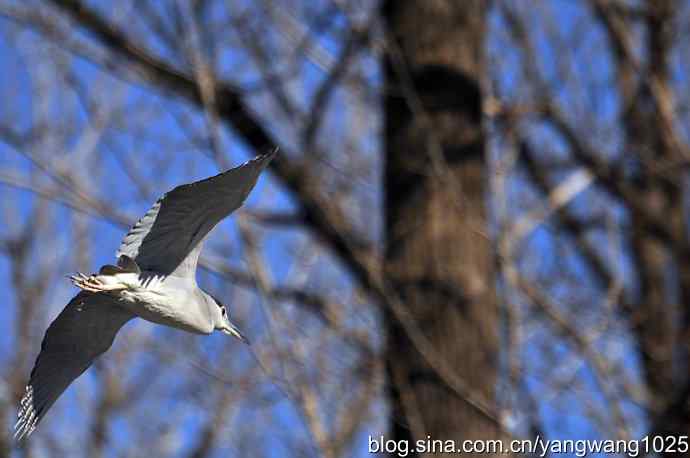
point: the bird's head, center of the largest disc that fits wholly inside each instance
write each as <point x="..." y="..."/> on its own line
<point x="224" y="324"/>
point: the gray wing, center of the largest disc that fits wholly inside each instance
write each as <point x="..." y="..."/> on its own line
<point x="84" y="330"/>
<point x="168" y="237"/>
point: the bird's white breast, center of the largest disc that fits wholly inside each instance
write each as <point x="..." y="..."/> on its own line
<point x="170" y="301"/>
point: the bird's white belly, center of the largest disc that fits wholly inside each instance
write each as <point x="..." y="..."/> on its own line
<point x="152" y="298"/>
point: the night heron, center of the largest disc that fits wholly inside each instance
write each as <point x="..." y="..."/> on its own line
<point x="155" y="279"/>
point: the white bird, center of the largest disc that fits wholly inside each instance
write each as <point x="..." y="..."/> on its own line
<point x="155" y="279"/>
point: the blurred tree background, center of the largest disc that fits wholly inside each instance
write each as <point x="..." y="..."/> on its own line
<point x="476" y="227"/>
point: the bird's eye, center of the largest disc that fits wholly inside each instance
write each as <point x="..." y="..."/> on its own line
<point x="224" y="312"/>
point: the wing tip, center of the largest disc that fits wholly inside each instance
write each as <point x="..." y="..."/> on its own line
<point x="27" y="417"/>
<point x="264" y="158"/>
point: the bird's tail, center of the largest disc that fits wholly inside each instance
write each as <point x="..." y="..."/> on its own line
<point x="110" y="278"/>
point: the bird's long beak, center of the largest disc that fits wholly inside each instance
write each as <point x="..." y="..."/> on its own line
<point x="232" y="330"/>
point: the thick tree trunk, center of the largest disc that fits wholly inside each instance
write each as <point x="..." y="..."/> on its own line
<point x="438" y="257"/>
<point x="661" y="318"/>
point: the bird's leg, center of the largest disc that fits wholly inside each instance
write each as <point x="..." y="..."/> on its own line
<point x="94" y="284"/>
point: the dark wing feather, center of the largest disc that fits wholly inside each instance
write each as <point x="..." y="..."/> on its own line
<point x="165" y="238"/>
<point x="84" y="330"/>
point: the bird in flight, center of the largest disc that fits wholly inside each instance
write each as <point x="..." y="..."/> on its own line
<point x="154" y="279"/>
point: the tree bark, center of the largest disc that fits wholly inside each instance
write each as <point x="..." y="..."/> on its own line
<point x="661" y="319"/>
<point x="438" y="257"/>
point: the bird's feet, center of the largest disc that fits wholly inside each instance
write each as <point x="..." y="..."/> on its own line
<point x="95" y="283"/>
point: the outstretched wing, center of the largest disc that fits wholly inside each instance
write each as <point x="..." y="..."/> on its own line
<point x="164" y="240"/>
<point x="84" y="330"/>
